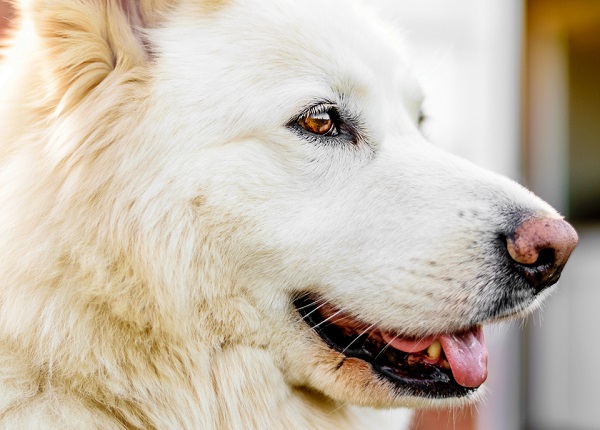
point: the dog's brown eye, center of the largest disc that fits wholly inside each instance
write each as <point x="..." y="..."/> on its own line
<point x="322" y="124"/>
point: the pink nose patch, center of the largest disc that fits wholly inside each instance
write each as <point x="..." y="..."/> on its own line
<point x="542" y="246"/>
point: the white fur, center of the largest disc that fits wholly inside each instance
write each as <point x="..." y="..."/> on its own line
<point x="158" y="214"/>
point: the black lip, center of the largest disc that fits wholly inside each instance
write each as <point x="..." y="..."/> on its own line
<point x="422" y="380"/>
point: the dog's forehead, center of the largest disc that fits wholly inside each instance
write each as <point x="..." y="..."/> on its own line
<point x="338" y="44"/>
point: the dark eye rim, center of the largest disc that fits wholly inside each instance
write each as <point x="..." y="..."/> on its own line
<point x="333" y="116"/>
<point x="345" y="130"/>
<point x="318" y="109"/>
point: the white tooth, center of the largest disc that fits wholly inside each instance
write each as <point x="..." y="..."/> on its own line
<point x="435" y="350"/>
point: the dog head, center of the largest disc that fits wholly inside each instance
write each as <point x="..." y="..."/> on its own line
<point x="259" y="169"/>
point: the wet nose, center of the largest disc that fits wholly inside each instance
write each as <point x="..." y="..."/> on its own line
<point x="540" y="248"/>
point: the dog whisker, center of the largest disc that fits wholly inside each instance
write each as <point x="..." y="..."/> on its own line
<point x="314" y="310"/>
<point x="320" y="302"/>
<point x="357" y="337"/>
<point x="386" y="346"/>
<point x="326" y="319"/>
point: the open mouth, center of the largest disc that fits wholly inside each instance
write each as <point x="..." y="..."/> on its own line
<point x="441" y="366"/>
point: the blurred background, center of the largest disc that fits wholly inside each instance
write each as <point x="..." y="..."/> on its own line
<point x="514" y="85"/>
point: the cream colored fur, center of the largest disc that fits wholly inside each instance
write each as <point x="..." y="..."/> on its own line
<point x="157" y="215"/>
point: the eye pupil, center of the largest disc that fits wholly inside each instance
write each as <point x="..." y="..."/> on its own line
<point x="321" y="123"/>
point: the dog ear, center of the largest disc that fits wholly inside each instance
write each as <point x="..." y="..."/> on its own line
<point x="81" y="42"/>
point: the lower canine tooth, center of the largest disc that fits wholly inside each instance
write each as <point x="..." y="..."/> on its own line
<point x="435" y="350"/>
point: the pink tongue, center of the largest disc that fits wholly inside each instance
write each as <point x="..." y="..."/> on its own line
<point x="407" y="345"/>
<point x="466" y="354"/>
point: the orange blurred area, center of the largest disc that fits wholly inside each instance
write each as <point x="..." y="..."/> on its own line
<point x="457" y="419"/>
<point x="5" y="15"/>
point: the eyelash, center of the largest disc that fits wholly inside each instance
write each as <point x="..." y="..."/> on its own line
<point x="319" y="109"/>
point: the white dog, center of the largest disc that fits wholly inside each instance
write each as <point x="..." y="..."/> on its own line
<point x="221" y="214"/>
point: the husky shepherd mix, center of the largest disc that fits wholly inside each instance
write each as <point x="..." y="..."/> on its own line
<point x="221" y="214"/>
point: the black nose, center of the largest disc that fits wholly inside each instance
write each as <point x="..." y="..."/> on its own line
<point x="540" y="248"/>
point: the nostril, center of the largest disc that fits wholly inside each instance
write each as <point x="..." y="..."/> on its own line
<point x="540" y="247"/>
<point x="546" y="256"/>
